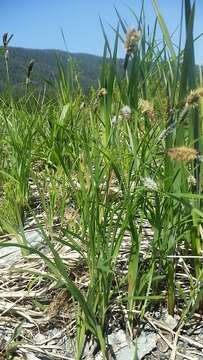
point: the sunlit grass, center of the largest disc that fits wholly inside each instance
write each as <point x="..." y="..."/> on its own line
<point x="127" y="154"/>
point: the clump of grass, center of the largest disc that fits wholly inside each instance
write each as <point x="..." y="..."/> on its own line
<point x="119" y="157"/>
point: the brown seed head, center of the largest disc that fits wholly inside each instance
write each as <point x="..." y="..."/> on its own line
<point x="102" y="92"/>
<point x="194" y="96"/>
<point x="183" y="153"/>
<point x="146" y="108"/>
<point x="132" y="38"/>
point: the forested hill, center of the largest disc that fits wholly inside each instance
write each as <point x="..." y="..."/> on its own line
<point x="45" y="66"/>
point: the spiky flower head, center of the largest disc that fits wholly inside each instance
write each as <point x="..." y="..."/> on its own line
<point x="126" y="112"/>
<point x="150" y="184"/>
<point x="194" y="96"/>
<point x="132" y="38"/>
<point x="183" y="153"/>
<point x="146" y="108"/>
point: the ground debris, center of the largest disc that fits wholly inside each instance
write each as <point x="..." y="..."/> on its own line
<point x="37" y="322"/>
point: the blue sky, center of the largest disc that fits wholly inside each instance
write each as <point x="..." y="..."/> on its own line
<point x="37" y="23"/>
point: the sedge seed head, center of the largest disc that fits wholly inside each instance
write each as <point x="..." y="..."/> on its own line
<point x="126" y="112"/>
<point x="102" y="92"/>
<point x="146" y="108"/>
<point x="194" y="96"/>
<point x="191" y="180"/>
<point x="150" y="184"/>
<point x="132" y="38"/>
<point x="183" y="153"/>
<point x="115" y="119"/>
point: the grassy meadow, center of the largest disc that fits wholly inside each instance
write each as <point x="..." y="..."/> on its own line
<point x="95" y="170"/>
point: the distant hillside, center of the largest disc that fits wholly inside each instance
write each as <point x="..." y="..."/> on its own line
<point x="45" y="66"/>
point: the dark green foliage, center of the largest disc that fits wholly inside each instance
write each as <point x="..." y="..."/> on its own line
<point x="45" y="67"/>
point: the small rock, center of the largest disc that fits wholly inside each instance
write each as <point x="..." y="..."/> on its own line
<point x="33" y="237"/>
<point x="126" y="353"/>
<point x="39" y="338"/>
<point x="11" y="254"/>
<point x="162" y="345"/>
<point x="117" y="340"/>
<point x="30" y="356"/>
<point x="157" y="314"/>
<point x="171" y="321"/>
<point x="145" y="344"/>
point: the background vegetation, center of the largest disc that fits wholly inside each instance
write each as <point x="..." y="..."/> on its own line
<point x="88" y="67"/>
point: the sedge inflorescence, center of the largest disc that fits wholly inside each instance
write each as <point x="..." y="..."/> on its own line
<point x="6" y="39"/>
<point x="146" y="108"/>
<point x="191" y="180"/>
<point x="132" y="38"/>
<point x="115" y="119"/>
<point x="102" y="92"/>
<point x="183" y="153"/>
<point x="150" y="184"/>
<point x="194" y="96"/>
<point x="126" y="112"/>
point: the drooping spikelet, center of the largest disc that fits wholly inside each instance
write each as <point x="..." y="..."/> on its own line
<point x="183" y="153"/>
<point x="132" y="38"/>
<point x="146" y="108"/>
